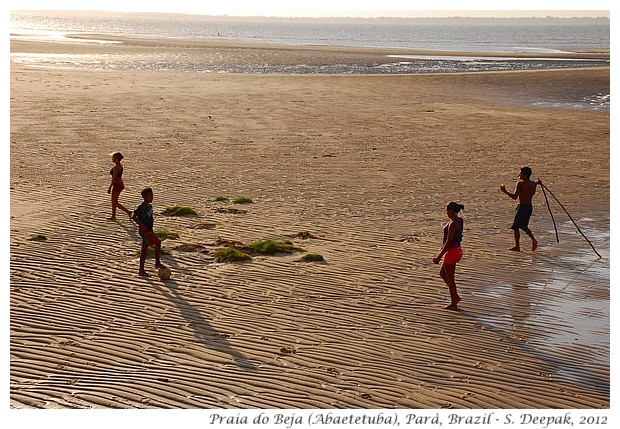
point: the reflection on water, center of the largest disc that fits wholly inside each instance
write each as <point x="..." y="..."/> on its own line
<point x="593" y="102"/>
<point x="51" y="35"/>
<point x="201" y="63"/>
<point x="556" y="305"/>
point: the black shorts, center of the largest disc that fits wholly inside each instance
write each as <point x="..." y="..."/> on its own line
<point x="522" y="217"/>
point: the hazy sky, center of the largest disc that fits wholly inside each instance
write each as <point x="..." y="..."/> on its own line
<point x="315" y="8"/>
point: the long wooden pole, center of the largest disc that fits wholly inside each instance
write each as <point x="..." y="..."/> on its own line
<point x="557" y="237"/>
<point x="571" y="218"/>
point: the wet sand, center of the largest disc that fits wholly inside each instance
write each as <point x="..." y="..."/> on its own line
<point x="365" y="164"/>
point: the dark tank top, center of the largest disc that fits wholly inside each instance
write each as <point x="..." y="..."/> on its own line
<point x="458" y="236"/>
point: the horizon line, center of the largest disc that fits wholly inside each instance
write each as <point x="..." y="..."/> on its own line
<point x="369" y="17"/>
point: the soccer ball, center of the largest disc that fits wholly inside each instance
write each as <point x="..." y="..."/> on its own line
<point x="164" y="273"/>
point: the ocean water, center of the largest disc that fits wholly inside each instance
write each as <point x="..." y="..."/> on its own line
<point x="421" y="34"/>
<point x="534" y="38"/>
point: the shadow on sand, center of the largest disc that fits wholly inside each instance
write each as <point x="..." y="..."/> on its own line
<point x="203" y="331"/>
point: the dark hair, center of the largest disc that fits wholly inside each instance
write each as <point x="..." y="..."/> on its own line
<point x="145" y="192"/>
<point x="455" y="207"/>
<point x="527" y="171"/>
<point x="117" y="155"/>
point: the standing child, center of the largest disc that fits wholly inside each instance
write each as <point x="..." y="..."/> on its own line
<point x="117" y="185"/>
<point x="451" y="251"/>
<point x="524" y="191"/>
<point x="143" y="216"/>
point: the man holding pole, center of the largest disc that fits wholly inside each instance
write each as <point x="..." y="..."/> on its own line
<point x="524" y="191"/>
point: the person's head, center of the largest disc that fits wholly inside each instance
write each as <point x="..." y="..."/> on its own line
<point x="453" y="208"/>
<point x="117" y="157"/>
<point x="526" y="171"/>
<point x="147" y="194"/>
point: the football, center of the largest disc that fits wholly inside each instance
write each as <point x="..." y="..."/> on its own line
<point x="164" y="273"/>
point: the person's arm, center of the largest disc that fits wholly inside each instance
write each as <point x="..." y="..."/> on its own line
<point x="514" y="195"/>
<point x="136" y="219"/>
<point x="448" y="243"/>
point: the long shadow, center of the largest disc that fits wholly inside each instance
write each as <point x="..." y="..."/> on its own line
<point x="203" y="331"/>
<point x="570" y="370"/>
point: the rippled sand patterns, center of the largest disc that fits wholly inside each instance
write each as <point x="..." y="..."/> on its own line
<point x="363" y="165"/>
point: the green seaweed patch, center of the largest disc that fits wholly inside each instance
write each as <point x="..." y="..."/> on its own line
<point x="242" y="200"/>
<point x="312" y="257"/>
<point x="231" y="254"/>
<point x="37" y="237"/>
<point x="221" y="199"/>
<point x="178" y="211"/>
<point x="164" y="234"/>
<point x="271" y="247"/>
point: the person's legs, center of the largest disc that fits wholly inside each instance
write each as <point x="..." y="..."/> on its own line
<point x="521" y="221"/>
<point x="442" y="272"/>
<point x="517" y="235"/>
<point x="158" y="264"/>
<point x="151" y="239"/>
<point x="143" y="250"/>
<point x="531" y="235"/>
<point x="115" y="195"/>
<point x="123" y="208"/>
<point x="449" y="270"/>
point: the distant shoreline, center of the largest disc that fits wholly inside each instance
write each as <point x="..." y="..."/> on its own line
<point x="602" y="54"/>
<point x="451" y="20"/>
<point x="587" y="37"/>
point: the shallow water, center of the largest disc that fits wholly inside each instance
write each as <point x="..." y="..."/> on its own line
<point x="216" y="63"/>
<point x="557" y="308"/>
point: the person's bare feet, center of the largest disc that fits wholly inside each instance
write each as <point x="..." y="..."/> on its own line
<point x="534" y="245"/>
<point x="515" y="249"/>
<point x="143" y="274"/>
<point x="453" y="305"/>
<point x="111" y="218"/>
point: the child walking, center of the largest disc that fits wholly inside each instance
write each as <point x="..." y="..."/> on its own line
<point x="117" y="185"/>
<point x="143" y="216"/>
<point x="451" y="251"/>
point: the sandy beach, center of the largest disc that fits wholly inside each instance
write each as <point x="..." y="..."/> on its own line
<point x="356" y="168"/>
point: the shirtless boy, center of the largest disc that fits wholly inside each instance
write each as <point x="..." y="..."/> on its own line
<point x="524" y="191"/>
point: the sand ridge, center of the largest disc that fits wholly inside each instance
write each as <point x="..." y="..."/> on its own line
<point x="365" y="164"/>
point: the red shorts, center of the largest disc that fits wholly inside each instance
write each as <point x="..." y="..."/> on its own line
<point x="148" y="237"/>
<point x="453" y="255"/>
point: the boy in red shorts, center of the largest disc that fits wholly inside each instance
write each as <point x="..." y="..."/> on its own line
<point x="143" y="216"/>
